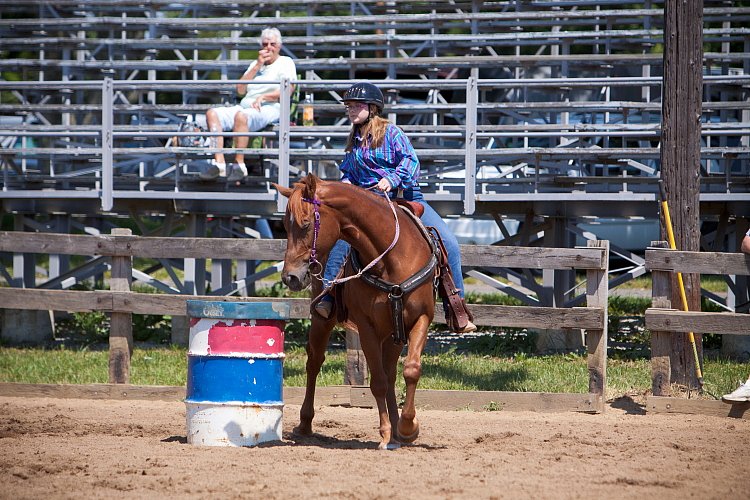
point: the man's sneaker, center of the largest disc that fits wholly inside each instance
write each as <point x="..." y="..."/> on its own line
<point x="237" y="172"/>
<point x="209" y="170"/>
<point x="741" y="394"/>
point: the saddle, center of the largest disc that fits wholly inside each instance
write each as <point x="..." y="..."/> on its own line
<point x="412" y="206"/>
<point x="457" y="314"/>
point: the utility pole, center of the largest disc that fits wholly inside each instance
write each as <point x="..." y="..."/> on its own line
<point x="682" y="98"/>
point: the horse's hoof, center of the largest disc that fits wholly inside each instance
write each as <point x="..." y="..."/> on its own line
<point x="302" y="430"/>
<point x="408" y="435"/>
<point x="389" y="446"/>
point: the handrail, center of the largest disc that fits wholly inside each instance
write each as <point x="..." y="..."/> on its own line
<point x="448" y="39"/>
<point x="514" y="17"/>
<point x="447" y="143"/>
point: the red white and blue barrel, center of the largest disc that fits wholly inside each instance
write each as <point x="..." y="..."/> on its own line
<point x="234" y="376"/>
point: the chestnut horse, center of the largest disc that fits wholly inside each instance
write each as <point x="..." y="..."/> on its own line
<point x="368" y="224"/>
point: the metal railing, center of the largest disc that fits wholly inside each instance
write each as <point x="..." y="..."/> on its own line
<point x="527" y="147"/>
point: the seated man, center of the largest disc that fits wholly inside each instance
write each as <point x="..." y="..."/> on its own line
<point x="259" y="107"/>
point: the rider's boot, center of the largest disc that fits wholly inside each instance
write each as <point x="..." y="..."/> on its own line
<point x="325" y="306"/>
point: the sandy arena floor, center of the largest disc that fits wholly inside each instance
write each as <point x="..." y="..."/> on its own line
<point x="78" y="448"/>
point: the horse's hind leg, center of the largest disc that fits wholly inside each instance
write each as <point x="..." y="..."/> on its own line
<point x="317" y="341"/>
<point x="408" y="426"/>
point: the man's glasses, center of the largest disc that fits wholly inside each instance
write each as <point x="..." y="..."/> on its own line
<point x="355" y="105"/>
<point x="269" y="44"/>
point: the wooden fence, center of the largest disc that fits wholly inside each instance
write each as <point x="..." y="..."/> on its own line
<point x="663" y="320"/>
<point x="121" y="302"/>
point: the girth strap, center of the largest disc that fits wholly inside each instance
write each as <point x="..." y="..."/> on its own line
<point x="396" y="292"/>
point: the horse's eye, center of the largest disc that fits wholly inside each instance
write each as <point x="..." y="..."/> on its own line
<point x="304" y="224"/>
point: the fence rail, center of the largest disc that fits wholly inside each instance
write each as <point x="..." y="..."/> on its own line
<point x="121" y="302"/>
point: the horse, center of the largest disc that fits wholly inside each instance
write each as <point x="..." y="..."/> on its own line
<point x="367" y="222"/>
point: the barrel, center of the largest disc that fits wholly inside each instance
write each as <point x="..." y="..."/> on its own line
<point x="235" y="360"/>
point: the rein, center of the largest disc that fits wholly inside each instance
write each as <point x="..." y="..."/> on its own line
<point x="314" y="253"/>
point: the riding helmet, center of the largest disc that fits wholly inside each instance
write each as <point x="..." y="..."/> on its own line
<point x="365" y="92"/>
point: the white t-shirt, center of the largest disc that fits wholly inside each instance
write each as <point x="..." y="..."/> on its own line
<point x="282" y="67"/>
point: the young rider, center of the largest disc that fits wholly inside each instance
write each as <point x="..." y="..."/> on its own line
<point x="380" y="156"/>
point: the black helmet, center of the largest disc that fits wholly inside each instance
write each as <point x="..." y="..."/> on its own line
<point x="365" y="92"/>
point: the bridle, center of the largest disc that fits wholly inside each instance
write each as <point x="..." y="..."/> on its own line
<point x="316" y="267"/>
<point x="318" y="273"/>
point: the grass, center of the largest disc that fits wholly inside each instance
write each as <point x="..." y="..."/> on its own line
<point x="712" y="283"/>
<point x="447" y="370"/>
<point x="495" y="361"/>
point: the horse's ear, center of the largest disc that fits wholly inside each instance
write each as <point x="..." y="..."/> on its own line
<point x="310" y="183"/>
<point x="285" y="191"/>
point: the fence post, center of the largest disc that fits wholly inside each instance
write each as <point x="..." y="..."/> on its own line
<point x="121" y="326"/>
<point x="356" y="370"/>
<point x="661" y="342"/>
<point x="597" y="295"/>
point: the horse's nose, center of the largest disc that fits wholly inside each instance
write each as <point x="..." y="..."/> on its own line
<point x="294" y="281"/>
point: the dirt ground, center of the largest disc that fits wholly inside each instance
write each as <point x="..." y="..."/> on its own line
<point x="80" y="448"/>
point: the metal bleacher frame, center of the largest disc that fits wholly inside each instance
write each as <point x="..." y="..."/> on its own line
<point x="546" y="112"/>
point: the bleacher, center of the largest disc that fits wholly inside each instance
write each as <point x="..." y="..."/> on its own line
<point x="565" y="105"/>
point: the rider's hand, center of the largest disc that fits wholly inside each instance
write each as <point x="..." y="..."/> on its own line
<point x="384" y="185"/>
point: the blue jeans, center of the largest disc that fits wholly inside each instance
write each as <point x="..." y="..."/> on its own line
<point x="337" y="255"/>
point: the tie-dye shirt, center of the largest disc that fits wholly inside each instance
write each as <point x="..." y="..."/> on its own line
<point x="395" y="160"/>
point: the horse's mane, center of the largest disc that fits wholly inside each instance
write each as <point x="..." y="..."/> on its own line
<point x="298" y="209"/>
<point x="301" y="210"/>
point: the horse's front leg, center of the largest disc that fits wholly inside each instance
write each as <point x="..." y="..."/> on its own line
<point x="317" y="341"/>
<point x="408" y="426"/>
<point x="372" y="348"/>
<point x="391" y="353"/>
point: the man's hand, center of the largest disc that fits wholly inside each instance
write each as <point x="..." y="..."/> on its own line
<point x="264" y="56"/>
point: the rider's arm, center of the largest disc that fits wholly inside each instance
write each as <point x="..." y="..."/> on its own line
<point x="346" y="167"/>
<point x="406" y="173"/>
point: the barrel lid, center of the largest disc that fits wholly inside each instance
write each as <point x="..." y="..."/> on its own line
<point x="238" y="310"/>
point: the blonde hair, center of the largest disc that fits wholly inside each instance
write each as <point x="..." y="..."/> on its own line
<point x="372" y="132"/>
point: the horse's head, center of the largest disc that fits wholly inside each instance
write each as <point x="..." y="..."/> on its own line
<point x="307" y="239"/>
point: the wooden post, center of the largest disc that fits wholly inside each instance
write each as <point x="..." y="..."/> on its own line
<point x="661" y="342"/>
<point x="121" y="332"/>
<point x="558" y="282"/>
<point x="356" y="371"/>
<point x="682" y="99"/>
<point x="597" y="295"/>
<point x="735" y="346"/>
